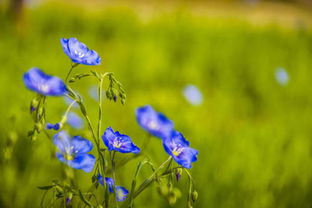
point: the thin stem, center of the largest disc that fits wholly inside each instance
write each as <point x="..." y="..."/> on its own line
<point x="112" y="157"/>
<point x="70" y="70"/>
<point x="141" y="164"/>
<point x="69" y="107"/>
<point x="99" y="127"/>
<point x="91" y="129"/>
<point x="189" y="197"/>
<point x="100" y="109"/>
<point x="145" y="183"/>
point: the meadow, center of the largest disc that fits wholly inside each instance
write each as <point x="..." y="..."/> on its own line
<point x="253" y="134"/>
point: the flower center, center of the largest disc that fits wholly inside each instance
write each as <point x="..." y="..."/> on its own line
<point x="69" y="153"/>
<point x="68" y="157"/>
<point x="117" y="144"/>
<point x="177" y="151"/>
<point x="152" y="125"/>
<point x="120" y="193"/>
<point x="44" y="88"/>
<point x="79" y="54"/>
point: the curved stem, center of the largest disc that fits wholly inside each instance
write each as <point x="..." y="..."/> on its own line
<point x="141" y="164"/>
<point x="70" y="70"/>
<point x="145" y="183"/>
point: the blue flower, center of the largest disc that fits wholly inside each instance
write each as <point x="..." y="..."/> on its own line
<point x="281" y="76"/>
<point x="93" y="92"/>
<point x="69" y="101"/>
<point x="56" y="126"/>
<point x="178" y="147"/>
<point x="118" y="142"/>
<point x="109" y="182"/>
<point x="73" y="151"/>
<point x="155" y="123"/>
<point x="74" y="120"/>
<point x="44" y="84"/>
<point x="193" y="95"/>
<point x="121" y="192"/>
<point x="79" y="52"/>
<point x="100" y="179"/>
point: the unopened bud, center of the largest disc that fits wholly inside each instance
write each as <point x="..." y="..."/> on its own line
<point x="172" y="198"/>
<point x="163" y="190"/>
<point x="194" y="196"/>
<point x="178" y="173"/>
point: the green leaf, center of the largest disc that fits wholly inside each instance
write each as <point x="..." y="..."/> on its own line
<point x="87" y="202"/>
<point x="45" y="187"/>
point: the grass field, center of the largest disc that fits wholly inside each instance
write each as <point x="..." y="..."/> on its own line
<point x="253" y="135"/>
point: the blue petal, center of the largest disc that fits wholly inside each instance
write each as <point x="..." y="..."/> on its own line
<point x="177" y="142"/>
<point x="121" y="193"/>
<point x="186" y="157"/>
<point x="110" y="184"/>
<point x="44" y="84"/>
<point x="79" y="53"/>
<point x="81" y="145"/>
<point x="100" y="179"/>
<point x="64" y="43"/>
<point x="84" y="162"/>
<point x="62" y="141"/>
<point x="125" y="144"/>
<point x="75" y="121"/>
<point x="108" y="138"/>
<point x="155" y="123"/>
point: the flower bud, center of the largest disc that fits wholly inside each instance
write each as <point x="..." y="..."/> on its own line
<point x="172" y="198"/>
<point x="194" y="196"/>
<point x="163" y="190"/>
<point x="178" y="173"/>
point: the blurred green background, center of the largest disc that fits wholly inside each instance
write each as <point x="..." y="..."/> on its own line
<point x="254" y="134"/>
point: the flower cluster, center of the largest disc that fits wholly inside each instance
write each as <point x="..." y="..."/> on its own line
<point x="173" y="141"/>
<point x="75" y="151"/>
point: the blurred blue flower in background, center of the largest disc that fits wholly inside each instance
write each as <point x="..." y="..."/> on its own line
<point x="155" y="123"/>
<point x="121" y="192"/>
<point x="74" y="120"/>
<point x="193" y="95"/>
<point x="93" y="92"/>
<point x="178" y="147"/>
<point x="281" y="76"/>
<point x="119" y="142"/>
<point x="79" y="53"/>
<point x="36" y="80"/>
<point x="69" y="101"/>
<point x="73" y="151"/>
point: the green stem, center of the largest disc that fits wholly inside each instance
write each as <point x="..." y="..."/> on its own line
<point x="100" y="109"/>
<point x="189" y="197"/>
<point x="145" y="183"/>
<point x="141" y="164"/>
<point x="112" y="157"/>
<point x="70" y="70"/>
